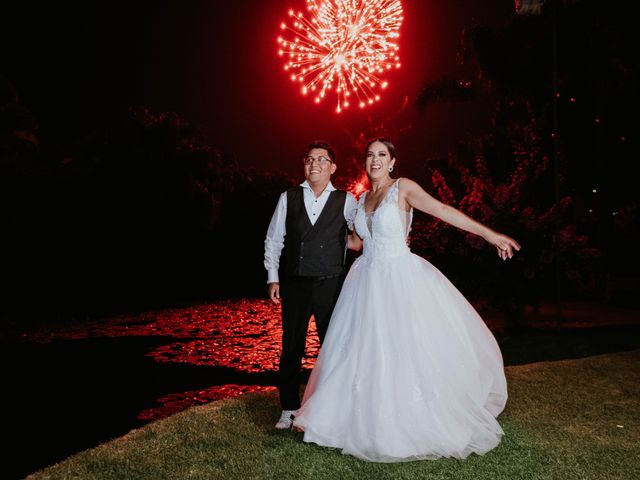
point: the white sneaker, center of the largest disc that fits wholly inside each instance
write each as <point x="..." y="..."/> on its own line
<point x="286" y="419"/>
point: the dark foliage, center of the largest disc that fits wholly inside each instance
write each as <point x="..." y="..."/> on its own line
<point x="142" y="213"/>
<point x="507" y="178"/>
<point x="446" y="89"/>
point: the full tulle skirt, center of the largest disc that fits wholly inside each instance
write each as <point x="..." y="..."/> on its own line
<point x="408" y="369"/>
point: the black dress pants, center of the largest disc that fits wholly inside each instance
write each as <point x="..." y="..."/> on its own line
<point x="301" y="298"/>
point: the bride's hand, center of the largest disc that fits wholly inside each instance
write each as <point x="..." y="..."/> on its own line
<point x="504" y="245"/>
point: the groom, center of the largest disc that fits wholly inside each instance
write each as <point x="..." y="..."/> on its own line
<point x="311" y="223"/>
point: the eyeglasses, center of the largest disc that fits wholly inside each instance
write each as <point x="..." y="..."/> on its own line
<point x="322" y="161"/>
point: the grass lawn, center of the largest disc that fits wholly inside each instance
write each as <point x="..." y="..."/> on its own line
<point x="571" y="419"/>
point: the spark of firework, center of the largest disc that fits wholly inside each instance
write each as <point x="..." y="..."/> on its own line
<point x="344" y="48"/>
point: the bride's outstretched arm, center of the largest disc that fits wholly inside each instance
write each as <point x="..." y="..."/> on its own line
<point x="417" y="198"/>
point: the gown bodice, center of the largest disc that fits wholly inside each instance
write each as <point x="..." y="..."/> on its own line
<point x="385" y="230"/>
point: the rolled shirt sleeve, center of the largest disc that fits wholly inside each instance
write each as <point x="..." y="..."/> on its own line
<point x="274" y="243"/>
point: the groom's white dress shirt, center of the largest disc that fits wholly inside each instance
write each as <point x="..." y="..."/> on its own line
<point x="274" y="243"/>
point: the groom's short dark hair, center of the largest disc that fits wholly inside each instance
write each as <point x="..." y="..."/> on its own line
<point x="322" y="144"/>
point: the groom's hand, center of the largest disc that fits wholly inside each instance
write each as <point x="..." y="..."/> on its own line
<point x="274" y="292"/>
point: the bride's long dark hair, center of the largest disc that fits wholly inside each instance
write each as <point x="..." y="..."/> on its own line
<point x="392" y="152"/>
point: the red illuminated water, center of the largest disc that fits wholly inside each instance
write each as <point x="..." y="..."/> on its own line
<point x="241" y="335"/>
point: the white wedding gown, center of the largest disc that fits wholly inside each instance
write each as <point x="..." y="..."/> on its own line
<point x="408" y="369"/>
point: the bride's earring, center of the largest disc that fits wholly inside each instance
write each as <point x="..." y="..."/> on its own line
<point x="390" y="169"/>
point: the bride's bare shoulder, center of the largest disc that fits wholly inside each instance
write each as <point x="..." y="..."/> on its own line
<point x="406" y="184"/>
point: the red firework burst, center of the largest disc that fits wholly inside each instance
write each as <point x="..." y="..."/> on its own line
<point x="346" y="47"/>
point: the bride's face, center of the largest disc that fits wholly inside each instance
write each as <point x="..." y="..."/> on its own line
<point x="378" y="161"/>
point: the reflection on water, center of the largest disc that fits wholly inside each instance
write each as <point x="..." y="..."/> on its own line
<point x="176" y="402"/>
<point x="242" y="335"/>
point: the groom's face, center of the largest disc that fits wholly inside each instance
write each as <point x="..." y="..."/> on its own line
<point x="321" y="168"/>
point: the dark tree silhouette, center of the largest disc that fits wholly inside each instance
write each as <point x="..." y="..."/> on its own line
<point x="141" y="213"/>
<point x="596" y="92"/>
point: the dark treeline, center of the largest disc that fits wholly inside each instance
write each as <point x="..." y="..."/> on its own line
<point x="141" y="213"/>
<point x="585" y="101"/>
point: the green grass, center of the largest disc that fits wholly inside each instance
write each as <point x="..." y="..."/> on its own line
<point x="572" y="419"/>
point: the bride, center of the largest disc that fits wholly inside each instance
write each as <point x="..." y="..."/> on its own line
<point x="408" y="370"/>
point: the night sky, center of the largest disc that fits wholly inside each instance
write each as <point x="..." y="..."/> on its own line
<point x="215" y="64"/>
